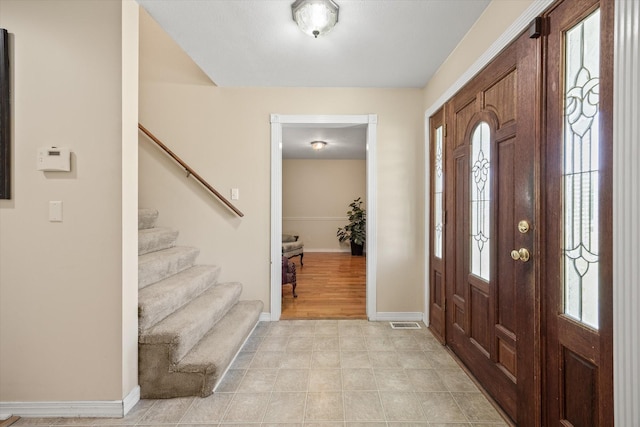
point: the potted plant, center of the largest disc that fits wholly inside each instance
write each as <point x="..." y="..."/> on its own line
<point x="356" y="230"/>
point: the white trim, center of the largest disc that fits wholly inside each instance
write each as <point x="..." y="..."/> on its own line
<point x="72" y="409"/>
<point x="277" y="121"/>
<point x="390" y="316"/>
<point x="276" y="217"/>
<point x="347" y="119"/>
<point x="265" y="317"/>
<point x="514" y="30"/>
<point x="131" y="400"/>
<point x="427" y="215"/>
<point x="626" y="210"/>
<point x="327" y="250"/>
<point x="372" y="209"/>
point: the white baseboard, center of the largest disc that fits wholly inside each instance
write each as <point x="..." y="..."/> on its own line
<point x="71" y="409"/>
<point x="390" y="316"/>
<point x="265" y="317"/>
<point x="325" y="250"/>
<point x="131" y="400"/>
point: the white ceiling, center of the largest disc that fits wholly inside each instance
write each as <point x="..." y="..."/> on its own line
<point x="343" y="141"/>
<point x="376" y="43"/>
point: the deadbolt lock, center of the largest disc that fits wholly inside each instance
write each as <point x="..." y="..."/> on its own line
<point x="523" y="226"/>
<point x="521" y="254"/>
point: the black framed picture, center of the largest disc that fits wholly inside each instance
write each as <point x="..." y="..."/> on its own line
<point x="5" y="117"/>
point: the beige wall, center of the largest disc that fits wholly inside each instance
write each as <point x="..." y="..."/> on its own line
<point x="493" y="22"/>
<point x="316" y="196"/>
<point x="224" y="133"/>
<point x="62" y="309"/>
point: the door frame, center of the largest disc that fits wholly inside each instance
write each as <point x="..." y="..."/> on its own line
<point x="626" y="210"/>
<point x="626" y="230"/>
<point x="278" y="121"/>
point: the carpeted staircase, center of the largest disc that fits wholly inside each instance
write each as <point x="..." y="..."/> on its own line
<point x="190" y="327"/>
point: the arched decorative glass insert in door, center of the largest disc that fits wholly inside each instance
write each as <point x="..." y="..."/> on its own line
<point x="480" y="195"/>
<point x="582" y="170"/>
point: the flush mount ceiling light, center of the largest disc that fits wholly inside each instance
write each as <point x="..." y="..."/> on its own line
<point x="318" y="145"/>
<point x="315" y="17"/>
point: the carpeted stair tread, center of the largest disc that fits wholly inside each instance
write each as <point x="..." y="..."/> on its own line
<point x="216" y="350"/>
<point x="190" y="326"/>
<point x="157" y="301"/>
<point x="155" y="266"/>
<point x="185" y="327"/>
<point x="147" y="218"/>
<point x="201" y="369"/>
<point x="156" y="239"/>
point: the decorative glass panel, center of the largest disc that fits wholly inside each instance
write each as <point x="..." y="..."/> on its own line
<point x="438" y="197"/>
<point x="480" y="200"/>
<point x="581" y="171"/>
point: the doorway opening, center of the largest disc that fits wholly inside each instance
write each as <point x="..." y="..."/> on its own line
<point x="292" y="122"/>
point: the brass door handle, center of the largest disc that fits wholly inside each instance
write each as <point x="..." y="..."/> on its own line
<point x="521" y="254"/>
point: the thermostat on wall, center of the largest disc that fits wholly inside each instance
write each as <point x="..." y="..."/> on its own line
<point x="54" y="159"/>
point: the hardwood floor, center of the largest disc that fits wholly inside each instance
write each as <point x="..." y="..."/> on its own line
<point x="330" y="286"/>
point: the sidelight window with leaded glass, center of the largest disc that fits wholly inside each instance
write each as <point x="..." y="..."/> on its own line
<point x="581" y="172"/>
<point x="438" y="199"/>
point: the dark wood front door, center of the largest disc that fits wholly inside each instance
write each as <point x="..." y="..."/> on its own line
<point x="578" y="246"/>
<point x="523" y="292"/>
<point x="492" y="253"/>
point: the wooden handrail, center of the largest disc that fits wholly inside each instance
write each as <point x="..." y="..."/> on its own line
<point x="190" y="171"/>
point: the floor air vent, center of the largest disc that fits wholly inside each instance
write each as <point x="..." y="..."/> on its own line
<point x="405" y="325"/>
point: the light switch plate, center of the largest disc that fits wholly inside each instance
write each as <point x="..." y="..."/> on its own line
<point x="235" y="193"/>
<point x="55" y="211"/>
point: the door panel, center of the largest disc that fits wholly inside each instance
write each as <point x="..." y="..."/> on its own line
<point x="491" y="319"/>
<point x="497" y="99"/>
<point x="578" y="245"/>
<point x="463" y="115"/>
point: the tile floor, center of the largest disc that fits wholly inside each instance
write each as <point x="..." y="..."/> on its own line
<point x="325" y="373"/>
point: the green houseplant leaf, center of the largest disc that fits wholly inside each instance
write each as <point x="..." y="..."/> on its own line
<point x="356" y="230"/>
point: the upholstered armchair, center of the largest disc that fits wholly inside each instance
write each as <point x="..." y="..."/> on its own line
<point x="292" y="246"/>
<point x="289" y="274"/>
